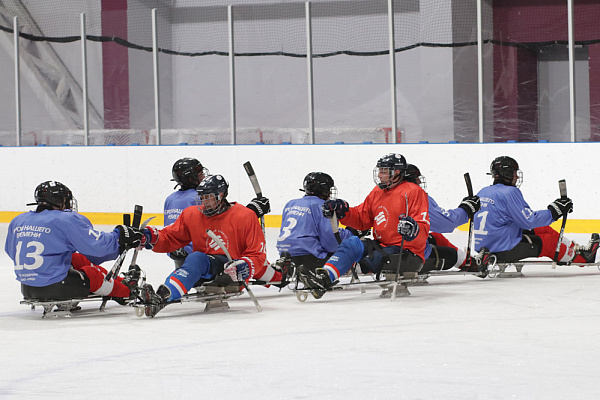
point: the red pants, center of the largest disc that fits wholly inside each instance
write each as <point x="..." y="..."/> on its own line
<point x="550" y="239"/>
<point x="96" y="275"/>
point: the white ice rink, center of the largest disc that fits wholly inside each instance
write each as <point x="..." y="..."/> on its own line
<point x="460" y="337"/>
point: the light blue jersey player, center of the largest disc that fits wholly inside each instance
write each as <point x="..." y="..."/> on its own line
<point x="305" y="233"/>
<point x="41" y="244"/>
<point x="188" y="173"/>
<point x="508" y="226"/>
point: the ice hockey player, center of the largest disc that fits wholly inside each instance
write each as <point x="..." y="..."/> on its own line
<point x="512" y="231"/>
<point x="395" y="209"/>
<point x="306" y="235"/>
<point x="188" y="173"/>
<point x="235" y="224"/>
<point x="440" y="253"/>
<point x="47" y="243"/>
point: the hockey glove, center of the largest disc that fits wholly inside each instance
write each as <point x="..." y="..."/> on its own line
<point x="408" y="228"/>
<point x="238" y="270"/>
<point x="129" y="237"/>
<point x="260" y="206"/>
<point x="150" y="237"/>
<point x="560" y="207"/>
<point x="358" y="233"/>
<point x="471" y="204"/>
<point x="339" y="206"/>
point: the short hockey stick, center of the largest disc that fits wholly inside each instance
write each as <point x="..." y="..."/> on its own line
<point x="471" y="223"/>
<point x="562" y="188"/>
<point x="135" y="253"/>
<point x="336" y="232"/>
<point x="137" y="217"/>
<point x="256" y="186"/>
<point x="395" y="290"/>
<point x="335" y="228"/>
<point x="220" y="243"/>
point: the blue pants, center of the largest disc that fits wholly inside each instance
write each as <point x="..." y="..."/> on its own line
<point x="196" y="269"/>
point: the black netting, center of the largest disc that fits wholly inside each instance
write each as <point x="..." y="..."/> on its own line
<point x="524" y="84"/>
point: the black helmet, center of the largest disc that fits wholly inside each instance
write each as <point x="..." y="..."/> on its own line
<point x="185" y="172"/>
<point x="319" y="184"/>
<point x="390" y="162"/>
<point x="216" y="186"/>
<point x="413" y="174"/>
<point x="54" y="195"/>
<point x="503" y="170"/>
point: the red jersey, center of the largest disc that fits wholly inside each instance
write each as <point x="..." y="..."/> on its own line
<point x="237" y="227"/>
<point x="381" y="211"/>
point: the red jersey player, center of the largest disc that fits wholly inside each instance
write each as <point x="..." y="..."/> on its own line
<point x="395" y="209"/>
<point x="236" y="225"/>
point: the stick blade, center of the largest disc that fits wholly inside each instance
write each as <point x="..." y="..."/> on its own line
<point x="562" y="188"/>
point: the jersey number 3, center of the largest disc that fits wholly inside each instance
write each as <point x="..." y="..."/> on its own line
<point x="287" y="230"/>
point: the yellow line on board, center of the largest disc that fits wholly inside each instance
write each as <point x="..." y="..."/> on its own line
<point x="274" y="221"/>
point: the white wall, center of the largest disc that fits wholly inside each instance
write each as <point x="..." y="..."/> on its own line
<point x="115" y="178"/>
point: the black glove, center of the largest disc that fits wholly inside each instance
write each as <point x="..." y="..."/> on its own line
<point x="260" y="206"/>
<point x="408" y="228"/>
<point x="471" y="204"/>
<point x="179" y="254"/>
<point x="560" y="207"/>
<point x="358" y="233"/>
<point x="339" y="206"/>
<point x="129" y="237"/>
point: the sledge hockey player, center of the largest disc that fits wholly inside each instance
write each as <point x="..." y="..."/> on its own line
<point x="52" y="246"/>
<point x="440" y="253"/>
<point x="396" y="210"/>
<point x="188" y="173"/>
<point x="306" y="235"/>
<point x="508" y="227"/>
<point x="235" y="224"/>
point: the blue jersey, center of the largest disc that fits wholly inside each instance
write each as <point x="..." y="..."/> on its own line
<point x="41" y="245"/>
<point x="503" y="216"/>
<point x="445" y="221"/>
<point x="176" y="203"/>
<point x="304" y="229"/>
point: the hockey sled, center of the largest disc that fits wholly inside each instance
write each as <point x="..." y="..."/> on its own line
<point x="64" y="308"/>
<point x="387" y="280"/>
<point x="214" y="294"/>
<point x="214" y="300"/>
<point x="499" y="269"/>
<point x="386" y="283"/>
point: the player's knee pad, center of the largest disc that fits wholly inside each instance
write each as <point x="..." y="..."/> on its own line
<point x="351" y="248"/>
<point x="196" y="266"/>
<point x="96" y="276"/>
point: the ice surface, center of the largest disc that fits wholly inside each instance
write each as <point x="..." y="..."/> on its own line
<point x="460" y="337"/>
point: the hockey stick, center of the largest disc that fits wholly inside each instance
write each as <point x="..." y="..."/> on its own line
<point x="135" y="253"/>
<point x="562" y="188"/>
<point x="114" y="271"/>
<point x="336" y="232"/>
<point x="471" y="222"/>
<point x="257" y="190"/>
<point x="335" y="228"/>
<point x="220" y="243"/>
<point x="395" y="290"/>
<point x="137" y="217"/>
